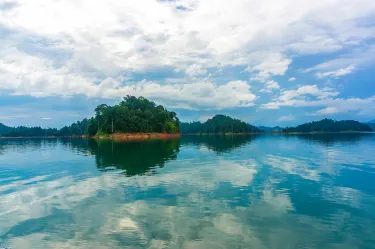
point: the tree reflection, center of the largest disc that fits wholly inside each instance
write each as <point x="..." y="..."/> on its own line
<point x="219" y="144"/>
<point x="329" y="139"/>
<point x="134" y="157"/>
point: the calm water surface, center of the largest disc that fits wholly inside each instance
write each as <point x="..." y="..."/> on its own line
<point x="198" y="192"/>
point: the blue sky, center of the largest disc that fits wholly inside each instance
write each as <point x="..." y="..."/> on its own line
<point x="268" y="63"/>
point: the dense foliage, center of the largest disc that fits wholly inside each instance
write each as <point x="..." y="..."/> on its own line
<point x="218" y="124"/>
<point x="76" y="129"/>
<point x="133" y="115"/>
<point x="23" y="131"/>
<point x="79" y="128"/>
<point x="4" y="129"/>
<point x="329" y="125"/>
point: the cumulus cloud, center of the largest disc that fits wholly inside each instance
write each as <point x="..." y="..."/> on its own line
<point x="270" y="65"/>
<point x="292" y="79"/>
<point x="68" y="47"/>
<point x="313" y="96"/>
<point x="30" y="75"/>
<point x="195" y="70"/>
<point x="270" y="85"/>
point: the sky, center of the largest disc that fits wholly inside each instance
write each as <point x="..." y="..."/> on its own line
<point x="270" y="62"/>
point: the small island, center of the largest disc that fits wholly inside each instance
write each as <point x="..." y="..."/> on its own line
<point x="219" y="124"/>
<point x="329" y="126"/>
<point x="132" y="118"/>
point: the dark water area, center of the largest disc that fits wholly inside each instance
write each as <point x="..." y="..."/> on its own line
<point x="258" y="191"/>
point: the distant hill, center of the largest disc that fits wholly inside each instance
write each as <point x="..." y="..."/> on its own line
<point x="5" y="129"/>
<point x="329" y="125"/>
<point x="271" y="129"/>
<point x="372" y="125"/>
<point x="218" y="124"/>
<point x="372" y="121"/>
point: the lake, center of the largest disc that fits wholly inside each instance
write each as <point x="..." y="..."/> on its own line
<point x="265" y="191"/>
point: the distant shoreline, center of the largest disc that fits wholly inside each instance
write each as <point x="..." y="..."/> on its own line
<point x="115" y="136"/>
<point x="276" y="133"/>
<point x="149" y="136"/>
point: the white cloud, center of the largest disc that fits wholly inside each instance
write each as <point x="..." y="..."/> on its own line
<point x="345" y="64"/>
<point x="271" y="64"/>
<point x="286" y="118"/>
<point x="337" y="73"/>
<point x="46" y="118"/>
<point x="270" y="85"/>
<point x="195" y="70"/>
<point x="75" y="45"/>
<point x="292" y="79"/>
<point x="326" y="111"/>
<point x="30" y="75"/>
<point x="313" y="96"/>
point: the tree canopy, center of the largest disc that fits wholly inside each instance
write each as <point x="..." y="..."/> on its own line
<point x="133" y="115"/>
<point x="218" y="124"/>
<point x="4" y="129"/>
<point x="329" y="125"/>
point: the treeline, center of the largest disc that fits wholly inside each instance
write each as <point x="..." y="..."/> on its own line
<point x="22" y="131"/>
<point x="79" y="128"/>
<point x="5" y="129"/>
<point x="219" y="124"/>
<point x="131" y="115"/>
<point x="329" y="125"/>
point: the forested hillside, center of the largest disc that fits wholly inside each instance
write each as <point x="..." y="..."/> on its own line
<point x="4" y="129"/>
<point x="329" y="125"/>
<point x="218" y="124"/>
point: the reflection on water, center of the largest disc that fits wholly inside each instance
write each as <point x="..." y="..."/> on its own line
<point x="134" y="157"/>
<point x="197" y="192"/>
<point x="219" y="143"/>
<point x="332" y="138"/>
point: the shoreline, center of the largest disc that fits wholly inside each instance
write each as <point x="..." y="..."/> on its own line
<point x="281" y="133"/>
<point x="148" y="136"/>
<point x="115" y="136"/>
<point x="138" y="136"/>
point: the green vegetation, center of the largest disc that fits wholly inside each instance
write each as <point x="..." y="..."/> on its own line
<point x="372" y="124"/>
<point x="4" y="129"/>
<point x="79" y="128"/>
<point x="329" y="125"/>
<point x="220" y="124"/>
<point x="275" y="129"/>
<point x="76" y="129"/>
<point x="133" y="115"/>
<point x="23" y="131"/>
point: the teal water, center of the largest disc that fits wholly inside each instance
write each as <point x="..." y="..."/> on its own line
<point x="198" y="192"/>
